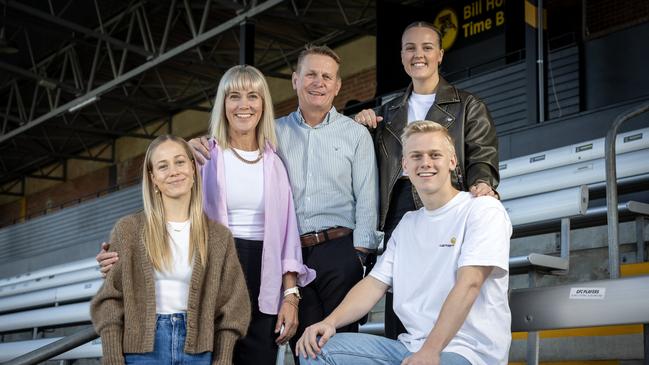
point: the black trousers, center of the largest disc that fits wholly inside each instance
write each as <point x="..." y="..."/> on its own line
<point x="258" y="346"/>
<point x="338" y="270"/>
<point x="401" y="203"/>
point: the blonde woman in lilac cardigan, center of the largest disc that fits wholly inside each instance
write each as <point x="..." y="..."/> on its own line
<point x="246" y="188"/>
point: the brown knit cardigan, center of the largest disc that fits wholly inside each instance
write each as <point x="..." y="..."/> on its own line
<point x="124" y="310"/>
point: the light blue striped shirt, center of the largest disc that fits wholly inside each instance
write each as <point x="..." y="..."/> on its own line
<point x="333" y="174"/>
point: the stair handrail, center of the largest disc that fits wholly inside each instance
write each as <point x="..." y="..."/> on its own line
<point x="55" y="348"/>
<point x="611" y="189"/>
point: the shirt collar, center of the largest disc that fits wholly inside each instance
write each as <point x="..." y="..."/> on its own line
<point x="329" y="117"/>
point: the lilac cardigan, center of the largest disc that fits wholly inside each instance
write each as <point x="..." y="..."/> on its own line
<point x="282" y="251"/>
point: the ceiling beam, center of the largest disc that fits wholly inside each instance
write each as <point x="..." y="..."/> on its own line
<point x="46" y="82"/>
<point x="190" y="44"/>
<point x="75" y="27"/>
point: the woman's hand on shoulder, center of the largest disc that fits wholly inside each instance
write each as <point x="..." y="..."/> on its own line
<point x="483" y="189"/>
<point x="368" y="117"/>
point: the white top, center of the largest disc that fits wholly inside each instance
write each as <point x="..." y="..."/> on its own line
<point x="244" y="193"/>
<point x="418" y="106"/>
<point x="172" y="287"/>
<point x="421" y="262"/>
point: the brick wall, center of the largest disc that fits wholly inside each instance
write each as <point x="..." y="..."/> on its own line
<point x="605" y="16"/>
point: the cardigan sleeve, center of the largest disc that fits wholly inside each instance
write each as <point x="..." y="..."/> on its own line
<point x="233" y="309"/>
<point x="107" y="307"/>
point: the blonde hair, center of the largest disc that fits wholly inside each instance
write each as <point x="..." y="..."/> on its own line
<point x="243" y="77"/>
<point x="156" y="237"/>
<point x="310" y="49"/>
<point x="426" y="126"/>
<point x="427" y="25"/>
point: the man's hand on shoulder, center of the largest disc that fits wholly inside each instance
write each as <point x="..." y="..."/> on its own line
<point x="309" y="344"/>
<point x="201" y="147"/>
<point x="368" y="118"/>
<point x="106" y="259"/>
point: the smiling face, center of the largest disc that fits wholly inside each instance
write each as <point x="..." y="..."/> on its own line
<point x="421" y="53"/>
<point x="243" y="110"/>
<point x="316" y="82"/>
<point x="428" y="160"/>
<point x="172" y="171"/>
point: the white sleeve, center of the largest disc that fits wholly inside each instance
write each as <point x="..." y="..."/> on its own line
<point x="382" y="271"/>
<point x="486" y="239"/>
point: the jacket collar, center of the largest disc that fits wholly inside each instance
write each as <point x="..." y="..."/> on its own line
<point x="445" y="94"/>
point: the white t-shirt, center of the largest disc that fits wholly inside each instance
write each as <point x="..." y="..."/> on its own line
<point x="244" y="193"/>
<point x="172" y="287"/>
<point x="418" y="106"/>
<point x="421" y="262"/>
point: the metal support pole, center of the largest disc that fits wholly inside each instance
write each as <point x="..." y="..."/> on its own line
<point x="533" y="338"/>
<point x="611" y="190"/>
<point x="565" y="239"/>
<point x="639" y="234"/>
<point x="535" y="54"/>
<point x="247" y="43"/>
<point x="645" y="336"/>
<point x="281" y="355"/>
<point x="540" y="62"/>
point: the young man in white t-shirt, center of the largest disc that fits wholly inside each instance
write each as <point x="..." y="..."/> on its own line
<point x="447" y="265"/>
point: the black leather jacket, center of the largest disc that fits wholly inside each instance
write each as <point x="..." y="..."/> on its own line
<point x="470" y="125"/>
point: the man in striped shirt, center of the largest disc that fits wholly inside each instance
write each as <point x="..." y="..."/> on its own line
<point x="332" y="168"/>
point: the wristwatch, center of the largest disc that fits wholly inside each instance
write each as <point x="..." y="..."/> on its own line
<point x="293" y="290"/>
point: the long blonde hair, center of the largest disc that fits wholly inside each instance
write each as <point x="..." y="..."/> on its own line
<point x="243" y="77"/>
<point x="156" y="237"/>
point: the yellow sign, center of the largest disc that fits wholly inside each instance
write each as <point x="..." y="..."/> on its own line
<point x="474" y="16"/>
<point x="446" y="22"/>
<point x="478" y="17"/>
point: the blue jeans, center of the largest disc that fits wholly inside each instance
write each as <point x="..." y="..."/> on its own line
<point x="168" y="348"/>
<point x="364" y="349"/>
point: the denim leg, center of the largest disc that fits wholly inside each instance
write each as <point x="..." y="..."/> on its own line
<point x="180" y="357"/>
<point x="169" y="345"/>
<point x="451" y="358"/>
<point x="359" y="349"/>
<point x="161" y="346"/>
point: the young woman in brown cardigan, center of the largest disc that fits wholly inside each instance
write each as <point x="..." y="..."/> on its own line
<point x="177" y="294"/>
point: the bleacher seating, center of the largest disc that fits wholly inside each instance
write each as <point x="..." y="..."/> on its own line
<point x="542" y="192"/>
